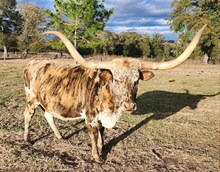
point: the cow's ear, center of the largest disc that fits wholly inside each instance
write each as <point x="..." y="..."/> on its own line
<point x="105" y="75"/>
<point x="146" y="75"/>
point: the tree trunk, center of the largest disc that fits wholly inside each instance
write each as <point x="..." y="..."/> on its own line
<point x="24" y="54"/>
<point x="75" y="42"/>
<point x="75" y="34"/>
<point x="205" y="59"/>
<point x="5" y="54"/>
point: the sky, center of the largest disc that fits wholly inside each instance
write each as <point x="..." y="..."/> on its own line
<point x="142" y="16"/>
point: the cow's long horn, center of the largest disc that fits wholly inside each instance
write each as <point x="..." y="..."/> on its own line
<point x="74" y="53"/>
<point x="179" y="60"/>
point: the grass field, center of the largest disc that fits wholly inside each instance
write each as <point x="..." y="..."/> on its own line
<point x="176" y="127"/>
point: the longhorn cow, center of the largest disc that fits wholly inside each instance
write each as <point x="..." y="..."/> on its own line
<point x="98" y="92"/>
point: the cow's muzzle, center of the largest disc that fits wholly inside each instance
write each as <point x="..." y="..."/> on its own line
<point x="129" y="106"/>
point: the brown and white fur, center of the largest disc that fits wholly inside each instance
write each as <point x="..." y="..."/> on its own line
<point x="97" y="92"/>
<point x="70" y="93"/>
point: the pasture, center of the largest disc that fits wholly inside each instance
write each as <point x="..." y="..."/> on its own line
<point x="176" y="127"/>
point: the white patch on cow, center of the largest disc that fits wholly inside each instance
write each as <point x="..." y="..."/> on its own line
<point x="83" y="115"/>
<point x="30" y="92"/>
<point x="94" y="122"/>
<point x="49" y="118"/>
<point x="108" y="119"/>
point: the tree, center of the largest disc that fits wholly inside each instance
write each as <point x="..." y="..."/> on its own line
<point x="108" y="41"/>
<point x="190" y="15"/>
<point x="10" y="24"/>
<point x="119" y="49"/>
<point x="131" y="44"/>
<point x="157" y="45"/>
<point x="79" y="20"/>
<point x="145" y="45"/>
<point x="34" y="17"/>
<point x="166" y="50"/>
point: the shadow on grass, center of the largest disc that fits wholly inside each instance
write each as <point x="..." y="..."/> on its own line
<point x="161" y="104"/>
<point x="33" y="141"/>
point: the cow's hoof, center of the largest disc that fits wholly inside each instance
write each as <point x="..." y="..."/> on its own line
<point x="98" y="160"/>
<point x="27" y="140"/>
<point x="59" y="137"/>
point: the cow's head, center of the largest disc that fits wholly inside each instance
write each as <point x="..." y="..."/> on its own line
<point x="125" y="73"/>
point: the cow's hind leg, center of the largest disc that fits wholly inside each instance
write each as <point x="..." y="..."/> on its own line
<point x="50" y="120"/>
<point x="28" y="113"/>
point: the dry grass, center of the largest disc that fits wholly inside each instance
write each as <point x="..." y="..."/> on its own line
<point x="175" y="129"/>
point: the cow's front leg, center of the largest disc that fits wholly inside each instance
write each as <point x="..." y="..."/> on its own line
<point x="100" y="138"/>
<point x="93" y="133"/>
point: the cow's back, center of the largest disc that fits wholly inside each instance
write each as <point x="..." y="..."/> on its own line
<point x="64" y="89"/>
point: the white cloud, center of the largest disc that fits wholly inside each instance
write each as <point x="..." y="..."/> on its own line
<point x="143" y="16"/>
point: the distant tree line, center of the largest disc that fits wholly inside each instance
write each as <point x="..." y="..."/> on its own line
<point x="83" y="22"/>
<point x="129" y="44"/>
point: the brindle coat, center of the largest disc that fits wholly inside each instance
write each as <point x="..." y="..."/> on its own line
<point x="96" y="95"/>
<point x="74" y="92"/>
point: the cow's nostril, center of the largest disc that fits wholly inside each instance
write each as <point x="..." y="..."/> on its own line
<point x="134" y="107"/>
<point x="129" y="106"/>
